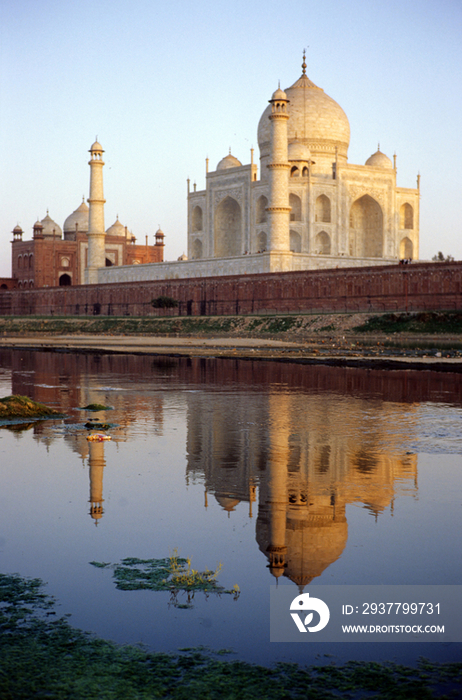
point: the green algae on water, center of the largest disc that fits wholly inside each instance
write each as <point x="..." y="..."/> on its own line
<point x="18" y="406"/>
<point x="42" y="656"/>
<point x="173" y="574"/>
<point x="96" y="407"/>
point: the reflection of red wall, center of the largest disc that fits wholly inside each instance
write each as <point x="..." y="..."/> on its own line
<point x="63" y="372"/>
<point x="420" y="286"/>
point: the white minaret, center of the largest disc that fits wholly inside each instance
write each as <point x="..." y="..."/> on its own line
<point x="96" y="233"/>
<point x="279" y="167"/>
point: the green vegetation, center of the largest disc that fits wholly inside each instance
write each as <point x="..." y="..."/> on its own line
<point x="440" y="257"/>
<point x="164" y="302"/>
<point x="420" y="322"/>
<point x="97" y="407"/>
<point x="22" y="407"/>
<point x="42" y="656"/>
<point x="172" y="574"/>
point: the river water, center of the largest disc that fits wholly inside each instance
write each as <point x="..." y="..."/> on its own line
<point x="356" y="473"/>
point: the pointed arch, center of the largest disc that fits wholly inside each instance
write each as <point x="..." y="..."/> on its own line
<point x="406" y="216"/>
<point x="196" y="249"/>
<point x="323" y="209"/>
<point x="295" y="204"/>
<point x="196" y="219"/>
<point x="366" y="228"/>
<point x="294" y="172"/>
<point x="406" y="249"/>
<point x="261" y="215"/>
<point x="65" y="280"/>
<point x="322" y="243"/>
<point x="262" y="242"/>
<point x="295" y="242"/>
<point x="228" y="228"/>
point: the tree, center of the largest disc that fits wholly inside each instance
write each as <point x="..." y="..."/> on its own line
<point x="439" y="257"/>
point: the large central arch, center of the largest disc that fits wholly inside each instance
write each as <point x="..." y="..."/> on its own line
<point x="228" y="228"/>
<point x="366" y="228"/>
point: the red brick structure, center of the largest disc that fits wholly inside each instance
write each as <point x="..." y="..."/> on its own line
<point x="53" y="261"/>
<point x="415" y="287"/>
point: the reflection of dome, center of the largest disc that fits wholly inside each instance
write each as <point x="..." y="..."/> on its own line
<point x="313" y="548"/>
<point x="379" y="160"/>
<point x="314" y="118"/>
<point x="227" y="501"/>
<point x="78" y="220"/>
<point x="117" y="229"/>
<point x="227" y="162"/>
<point x="51" y="228"/>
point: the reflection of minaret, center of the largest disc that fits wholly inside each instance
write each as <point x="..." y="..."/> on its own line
<point x="276" y="485"/>
<point x="97" y="464"/>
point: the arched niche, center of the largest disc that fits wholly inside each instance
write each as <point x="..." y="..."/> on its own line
<point x="228" y="228"/>
<point x="294" y="171"/>
<point x="261" y="215"/>
<point x="196" y="219"/>
<point x="295" y="204"/>
<point x="406" y="216"/>
<point x="322" y="243"/>
<point x="196" y="249"/>
<point x="366" y="228"/>
<point x="262" y="242"/>
<point x="323" y="209"/>
<point x="295" y="242"/>
<point x="406" y="249"/>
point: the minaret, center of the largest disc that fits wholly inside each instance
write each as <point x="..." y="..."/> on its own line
<point x="96" y="234"/>
<point x="279" y="167"/>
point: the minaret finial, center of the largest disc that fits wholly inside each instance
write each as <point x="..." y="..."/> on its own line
<point x="304" y="62"/>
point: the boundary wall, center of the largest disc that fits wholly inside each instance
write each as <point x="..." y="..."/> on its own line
<point x="413" y="287"/>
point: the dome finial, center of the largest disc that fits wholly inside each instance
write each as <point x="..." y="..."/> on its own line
<point x="304" y="62"/>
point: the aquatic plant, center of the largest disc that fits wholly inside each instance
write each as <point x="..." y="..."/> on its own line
<point x="96" y="407"/>
<point x="173" y="574"/>
<point x="18" y="406"/>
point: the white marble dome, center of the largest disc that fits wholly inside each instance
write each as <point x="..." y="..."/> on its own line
<point x="298" y="151"/>
<point x="51" y="228"/>
<point x="227" y="162"/>
<point x="117" y="229"/>
<point x="78" y="220"/>
<point x="379" y="160"/>
<point x="315" y="119"/>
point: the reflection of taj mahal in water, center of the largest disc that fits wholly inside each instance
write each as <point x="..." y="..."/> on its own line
<point x="297" y="458"/>
<point x="310" y="458"/>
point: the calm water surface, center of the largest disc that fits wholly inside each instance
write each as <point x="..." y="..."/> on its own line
<point x="356" y="473"/>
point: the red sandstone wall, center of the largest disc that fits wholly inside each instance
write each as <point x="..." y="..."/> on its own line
<point x="416" y="287"/>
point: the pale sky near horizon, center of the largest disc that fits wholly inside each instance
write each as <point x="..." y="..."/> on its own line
<point x="165" y="85"/>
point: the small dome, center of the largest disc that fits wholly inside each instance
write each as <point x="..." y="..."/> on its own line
<point x="78" y="220"/>
<point x="279" y="95"/>
<point x="117" y="229"/>
<point x="17" y="229"/>
<point x="96" y="147"/>
<point x="160" y="233"/>
<point x="299" y="151"/>
<point x="51" y="228"/>
<point x="379" y="160"/>
<point x="182" y="257"/>
<point x="37" y="225"/>
<point x="227" y="501"/>
<point x="227" y="162"/>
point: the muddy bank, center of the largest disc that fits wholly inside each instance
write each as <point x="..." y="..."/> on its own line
<point x="425" y="340"/>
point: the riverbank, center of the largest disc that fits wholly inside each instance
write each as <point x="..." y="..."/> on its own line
<point x="420" y="340"/>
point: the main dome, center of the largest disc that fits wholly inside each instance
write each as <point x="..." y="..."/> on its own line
<point x="315" y="119"/>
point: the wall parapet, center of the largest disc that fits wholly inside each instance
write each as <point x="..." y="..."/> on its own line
<point x="414" y="287"/>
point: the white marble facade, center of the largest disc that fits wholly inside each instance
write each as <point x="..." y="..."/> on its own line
<point x="305" y="208"/>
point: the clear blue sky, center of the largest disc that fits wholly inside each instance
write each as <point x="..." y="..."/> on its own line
<point x="164" y="85"/>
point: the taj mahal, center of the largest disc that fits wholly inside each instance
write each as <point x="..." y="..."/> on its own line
<point x="305" y="207"/>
